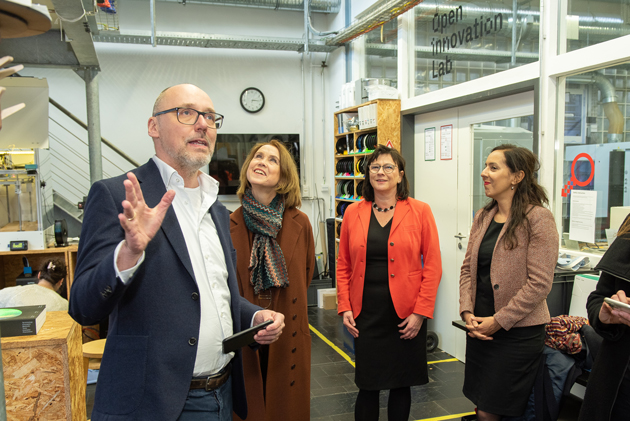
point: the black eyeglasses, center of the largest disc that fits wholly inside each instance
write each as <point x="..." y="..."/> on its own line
<point x="387" y="168"/>
<point x="189" y="116"/>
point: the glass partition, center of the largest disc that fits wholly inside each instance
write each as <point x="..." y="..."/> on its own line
<point x="595" y="156"/>
<point x="591" y="22"/>
<point x="486" y="136"/>
<point x="459" y="41"/>
<point x="381" y="52"/>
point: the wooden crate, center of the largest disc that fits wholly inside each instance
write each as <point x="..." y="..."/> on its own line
<point x="43" y="373"/>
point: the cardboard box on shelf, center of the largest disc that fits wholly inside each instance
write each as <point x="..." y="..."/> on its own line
<point x="330" y="301"/>
<point x="320" y="295"/>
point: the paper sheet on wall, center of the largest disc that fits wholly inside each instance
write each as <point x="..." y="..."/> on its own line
<point x="583" y="208"/>
<point x="429" y="144"/>
<point x="446" y="142"/>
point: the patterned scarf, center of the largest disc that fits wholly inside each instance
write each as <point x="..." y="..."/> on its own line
<point x="269" y="269"/>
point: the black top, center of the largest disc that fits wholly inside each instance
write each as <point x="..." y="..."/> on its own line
<point x="376" y="252"/>
<point x="484" y="299"/>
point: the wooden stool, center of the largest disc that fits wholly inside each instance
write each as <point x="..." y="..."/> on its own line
<point x="92" y="349"/>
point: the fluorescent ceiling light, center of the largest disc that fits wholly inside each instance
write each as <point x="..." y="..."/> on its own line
<point x="27" y="152"/>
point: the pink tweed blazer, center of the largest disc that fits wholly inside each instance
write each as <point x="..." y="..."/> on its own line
<point x="521" y="278"/>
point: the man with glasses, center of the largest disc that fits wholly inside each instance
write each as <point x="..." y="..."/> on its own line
<point x="156" y="257"/>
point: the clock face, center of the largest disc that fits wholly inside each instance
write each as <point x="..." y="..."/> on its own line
<point x="252" y="100"/>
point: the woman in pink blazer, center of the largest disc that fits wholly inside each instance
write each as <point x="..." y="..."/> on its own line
<point x="388" y="271"/>
<point x="506" y="276"/>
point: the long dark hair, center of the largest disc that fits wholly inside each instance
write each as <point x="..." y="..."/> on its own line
<point x="402" y="191"/>
<point x="527" y="192"/>
<point x="53" y="270"/>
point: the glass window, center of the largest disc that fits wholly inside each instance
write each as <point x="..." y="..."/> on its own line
<point x="381" y="52"/>
<point x="486" y="136"/>
<point x="591" y="22"/>
<point x="457" y="42"/>
<point x="595" y="155"/>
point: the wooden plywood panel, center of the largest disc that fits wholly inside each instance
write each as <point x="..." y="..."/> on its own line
<point x="77" y="380"/>
<point x="43" y="373"/>
<point x="388" y="122"/>
<point x="35" y="387"/>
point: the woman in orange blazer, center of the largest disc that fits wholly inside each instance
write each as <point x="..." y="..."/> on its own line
<point x="275" y="275"/>
<point x="505" y="278"/>
<point x="388" y="271"/>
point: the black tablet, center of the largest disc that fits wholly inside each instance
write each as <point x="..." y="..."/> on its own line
<point x="243" y="338"/>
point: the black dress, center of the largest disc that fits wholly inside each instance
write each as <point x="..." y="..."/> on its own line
<point x="383" y="360"/>
<point x="500" y="374"/>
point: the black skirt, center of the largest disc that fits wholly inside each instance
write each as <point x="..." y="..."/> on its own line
<point x="383" y="360"/>
<point x="500" y="374"/>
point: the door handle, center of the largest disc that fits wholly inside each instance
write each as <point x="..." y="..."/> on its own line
<point x="460" y="236"/>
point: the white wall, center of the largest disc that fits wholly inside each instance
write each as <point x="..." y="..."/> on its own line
<point x="297" y="101"/>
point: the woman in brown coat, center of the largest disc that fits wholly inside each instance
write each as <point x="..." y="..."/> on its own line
<point x="275" y="262"/>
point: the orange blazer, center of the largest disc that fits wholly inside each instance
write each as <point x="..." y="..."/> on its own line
<point x="415" y="264"/>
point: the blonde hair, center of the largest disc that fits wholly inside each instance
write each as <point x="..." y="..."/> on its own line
<point x="289" y="182"/>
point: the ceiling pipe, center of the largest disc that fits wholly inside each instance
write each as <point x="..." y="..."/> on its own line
<point x="609" y="102"/>
<point x="153" y="23"/>
<point x="315" y="32"/>
<point x="306" y="27"/>
<point x="318" y="6"/>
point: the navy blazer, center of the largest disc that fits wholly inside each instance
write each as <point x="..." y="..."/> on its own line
<point x="153" y="320"/>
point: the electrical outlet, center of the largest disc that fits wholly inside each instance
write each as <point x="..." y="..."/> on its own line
<point x="324" y="189"/>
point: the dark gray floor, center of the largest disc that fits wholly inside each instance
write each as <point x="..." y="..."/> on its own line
<point x="333" y="392"/>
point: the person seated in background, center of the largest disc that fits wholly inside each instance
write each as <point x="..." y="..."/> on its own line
<point x="46" y="291"/>
<point x="607" y="395"/>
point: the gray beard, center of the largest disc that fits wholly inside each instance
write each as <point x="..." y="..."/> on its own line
<point x="190" y="163"/>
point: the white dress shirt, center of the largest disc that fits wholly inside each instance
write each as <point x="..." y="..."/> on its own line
<point x="206" y="255"/>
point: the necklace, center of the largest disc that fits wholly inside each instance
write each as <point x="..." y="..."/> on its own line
<point x="384" y="209"/>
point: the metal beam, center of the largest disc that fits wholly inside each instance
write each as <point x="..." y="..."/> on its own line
<point x="94" y="125"/>
<point x="188" y="39"/>
<point x="318" y="6"/>
<point x="76" y="28"/>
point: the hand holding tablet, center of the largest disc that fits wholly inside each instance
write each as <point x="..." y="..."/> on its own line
<point x="243" y="338"/>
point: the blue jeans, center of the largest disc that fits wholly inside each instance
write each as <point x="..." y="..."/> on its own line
<point x="215" y="405"/>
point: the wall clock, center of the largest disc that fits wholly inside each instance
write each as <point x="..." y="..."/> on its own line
<point x="252" y="100"/>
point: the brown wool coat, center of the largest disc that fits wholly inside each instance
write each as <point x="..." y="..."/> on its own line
<point x="289" y="368"/>
<point x="522" y="277"/>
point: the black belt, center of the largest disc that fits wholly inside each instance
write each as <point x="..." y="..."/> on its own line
<point x="214" y="381"/>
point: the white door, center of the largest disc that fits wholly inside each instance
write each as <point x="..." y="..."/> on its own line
<point x="453" y="187"/>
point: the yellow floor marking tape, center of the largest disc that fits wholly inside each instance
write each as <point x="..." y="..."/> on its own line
<point x="449" y="360"/>
<point x="448" y="417"/>
<point x="347" y="358"/>
<point x="332" y="345"/>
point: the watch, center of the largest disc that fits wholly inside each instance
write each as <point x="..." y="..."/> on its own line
<point x="252" y="100"/>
